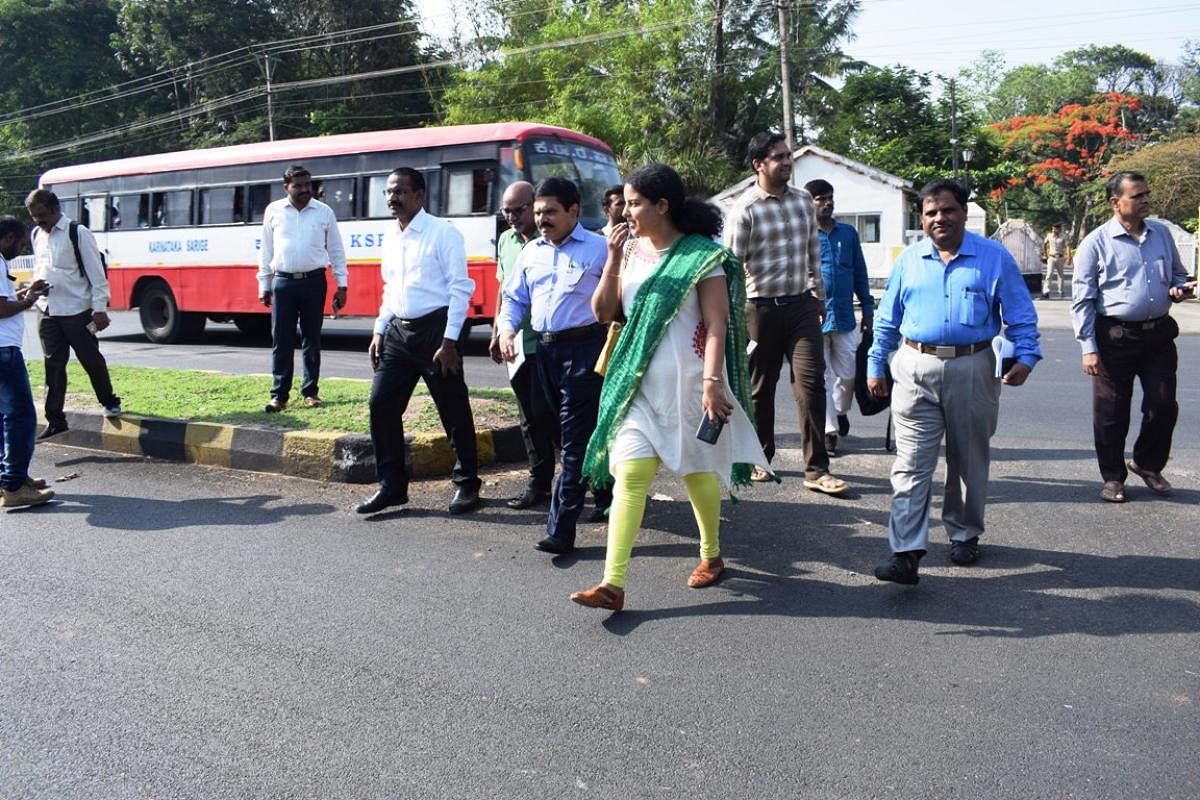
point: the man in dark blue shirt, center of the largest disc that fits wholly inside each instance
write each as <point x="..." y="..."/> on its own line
<point x="945" y="301"/>
<point x="844" y="271"/>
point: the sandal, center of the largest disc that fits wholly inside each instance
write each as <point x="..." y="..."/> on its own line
<point x="600" y="596"/>
<point x="1113" y="492"/>
<point x="826" y="484"/>
<point x="707" y="573"/>
<point x="1157" y="483"/>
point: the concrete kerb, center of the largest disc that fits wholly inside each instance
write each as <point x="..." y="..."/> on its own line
<point x="337" y="457"/>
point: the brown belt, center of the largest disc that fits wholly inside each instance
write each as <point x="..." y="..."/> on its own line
<point x="949" y="350"/>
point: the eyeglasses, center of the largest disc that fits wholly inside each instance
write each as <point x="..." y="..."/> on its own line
<point x="512" y="212"/>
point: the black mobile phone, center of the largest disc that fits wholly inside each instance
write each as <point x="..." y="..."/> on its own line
<point x="709" y="430"/>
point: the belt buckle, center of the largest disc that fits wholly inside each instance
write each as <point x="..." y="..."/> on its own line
<point x="945" y="351"/>
<point x="1148" y="325"/>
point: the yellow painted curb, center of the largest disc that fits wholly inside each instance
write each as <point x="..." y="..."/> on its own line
<point x="309" y="454"/>
<point x="208" y="443"/>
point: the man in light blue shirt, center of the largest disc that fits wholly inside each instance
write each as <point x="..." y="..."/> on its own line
<point x="1127" y="274"/>
<point x="946" y="299"/>
<point x="555" y="277"/>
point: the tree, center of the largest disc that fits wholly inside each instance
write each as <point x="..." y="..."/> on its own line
<point x="1172" y="170"/>
<point x="1065" y="154"/>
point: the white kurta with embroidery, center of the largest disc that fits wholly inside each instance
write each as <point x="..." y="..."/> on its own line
<point x="663" y="417"/>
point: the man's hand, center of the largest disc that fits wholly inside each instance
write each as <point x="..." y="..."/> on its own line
<point x="447" y="358"/>
<point x="1183" y="292"/>
<point x="1091" y="364"/>
<point x="1016" y="374"/>
<point x="101" y="319"/>
<point x="265" y="299"/>
<point x="508" y="346"/>
<point x="339" y="300"/>
<point x="865" y="326"/>
<point x="375" y="350"/>
<point x="494" y="348"/>
<point x="877" y="387"/>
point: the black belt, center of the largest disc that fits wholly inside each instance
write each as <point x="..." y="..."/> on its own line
<point x="949" y="350"/>
<point x="418" y="321"/>
<point x="297" y="276"/>
<point x="779" y="301"/>
<point x="1145" y="325"/>
<point x="583" y="332"/>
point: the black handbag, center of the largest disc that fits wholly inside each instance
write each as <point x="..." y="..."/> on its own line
<point x="868" y="404"/>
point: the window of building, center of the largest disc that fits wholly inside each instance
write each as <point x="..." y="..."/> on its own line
<point x="867" y="226"/>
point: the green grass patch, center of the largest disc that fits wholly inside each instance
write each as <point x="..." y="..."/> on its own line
<point x="200" y="396"/>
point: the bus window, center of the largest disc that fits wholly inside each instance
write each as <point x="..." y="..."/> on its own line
<point x="469" y="191"/>
<point x="130" y="211"/>
<point x="172" y="209"/>
<point x="376" y="197"/>
<point x="338" y="194"/>
<point x="92" y="214"/>
<point x="261" y="195"/>
<point x="222" y="205"/>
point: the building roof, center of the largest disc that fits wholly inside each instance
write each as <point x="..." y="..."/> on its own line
<point x="726" y="196"/>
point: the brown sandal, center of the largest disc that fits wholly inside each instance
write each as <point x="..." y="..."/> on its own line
<point x="600" y="596"/>
<point x="707" y="573"/>
<point x="1113" y="492"/>
<point x="1157" y="483"/>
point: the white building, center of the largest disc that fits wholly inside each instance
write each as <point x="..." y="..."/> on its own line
<point x="877" y="204"/>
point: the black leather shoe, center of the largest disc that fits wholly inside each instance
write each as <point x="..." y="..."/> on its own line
<point x="843" y="424"/>
<point x="965" y="553"/>
<point x="380" y="500"/>
<point x="528" y="499"/>
<point x="552" y="545"/>
<point x="464" y="501"/>
<point x="598" y="514"/>
<point x="831" y="444"/>
<point x="53" y="429"/>
<point x="902" y="568"/>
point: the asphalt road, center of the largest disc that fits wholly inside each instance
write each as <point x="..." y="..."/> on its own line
<point x="170" y="631"/>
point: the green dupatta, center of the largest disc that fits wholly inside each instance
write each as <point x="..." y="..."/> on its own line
<point x="658" y="300"/>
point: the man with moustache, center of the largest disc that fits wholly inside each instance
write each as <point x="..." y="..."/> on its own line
<point x="772" y="230"/>
<point x="945" y="301"/>
<point x="416" y="337"/>
<point x="299" y="238"/>
<point x="18" y="416"/>
<point x="1127" y="274"/>
<point x="553" y="282"/>
<point x="539" y="423"/>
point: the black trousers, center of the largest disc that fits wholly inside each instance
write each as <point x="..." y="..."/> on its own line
<point x="791" y="333"/>
<point x="1151" y="357"/>
<point x="539" y="424"/>
<point x="61" y="335"/>
<point x="294" y="300"/>
<point x="407" y="357"/>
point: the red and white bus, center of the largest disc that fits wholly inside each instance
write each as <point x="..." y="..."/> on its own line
<point x="181" y="231"/>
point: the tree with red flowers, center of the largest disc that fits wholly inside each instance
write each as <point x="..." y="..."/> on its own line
<point x="1065" y="154"/>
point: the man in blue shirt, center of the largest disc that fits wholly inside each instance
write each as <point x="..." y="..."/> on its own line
<point x="555" y="277"/>
<point x="1127" y="274"/>
<point x="944" y="303"/>
<point x="844" y="271"/>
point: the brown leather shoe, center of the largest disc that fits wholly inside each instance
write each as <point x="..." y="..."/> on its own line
<point x="707" y="573"/>
<point x="600" y="596"/>
<point x="275" y="406"/>
<point x="313" y="402"/>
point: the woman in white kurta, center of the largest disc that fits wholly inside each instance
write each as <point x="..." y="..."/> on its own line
<point x="667" y="276"/>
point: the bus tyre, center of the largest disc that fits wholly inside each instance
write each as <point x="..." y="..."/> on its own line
<point x="162" y="321"/>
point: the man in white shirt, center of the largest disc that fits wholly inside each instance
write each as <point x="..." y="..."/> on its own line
<point x="74" y="310"/>
<point x="299" y="239"/>
<point x="421" y="321"/>
<point x="18" y="417"/>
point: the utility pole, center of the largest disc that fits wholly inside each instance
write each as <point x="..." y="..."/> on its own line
<point x="270" y="100"/>
<point x="954" y="131"/>
<point x="786" y="77"/>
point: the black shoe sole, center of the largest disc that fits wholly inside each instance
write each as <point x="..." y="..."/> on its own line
<point x="554" y="547"/>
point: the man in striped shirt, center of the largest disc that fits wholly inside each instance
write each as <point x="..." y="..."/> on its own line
<point x="772" y="229"/>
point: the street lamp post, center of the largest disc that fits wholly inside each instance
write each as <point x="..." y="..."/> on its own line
<point x="967" y="154"/>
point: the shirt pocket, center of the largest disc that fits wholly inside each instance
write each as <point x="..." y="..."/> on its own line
<point x="1161" y="269"/>
<point x="973" y="308"/>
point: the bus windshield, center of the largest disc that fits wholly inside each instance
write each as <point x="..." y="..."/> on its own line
<point x="592" y="170"/>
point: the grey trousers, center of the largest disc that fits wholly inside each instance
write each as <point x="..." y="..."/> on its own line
<point x="932" y="397"/>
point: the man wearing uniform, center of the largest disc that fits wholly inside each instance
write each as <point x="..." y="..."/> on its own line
<point x="945" y="301"/>
<point x="554" y="280"/>
<point x="299" y="239"/>
<point x="1055" y="251"/>
<point x="1127" y="273"/>
<point x="74" y="310"/>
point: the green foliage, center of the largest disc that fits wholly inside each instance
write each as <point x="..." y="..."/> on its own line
<point x="1172" y="170"/>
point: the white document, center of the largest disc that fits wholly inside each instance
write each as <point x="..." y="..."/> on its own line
<point x="515" y="364"/>
<point x="750" y="345"/>
<point x="1003" y="349"/>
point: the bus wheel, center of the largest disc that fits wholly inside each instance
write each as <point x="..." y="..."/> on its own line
<point x="162" y="321"/>
<point x="256" y="327"/>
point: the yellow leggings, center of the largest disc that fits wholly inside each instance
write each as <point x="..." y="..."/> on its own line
<point x="633" y="479"/>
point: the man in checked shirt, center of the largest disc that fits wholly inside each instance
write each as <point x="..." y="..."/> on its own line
<point x="772" y="229"/>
